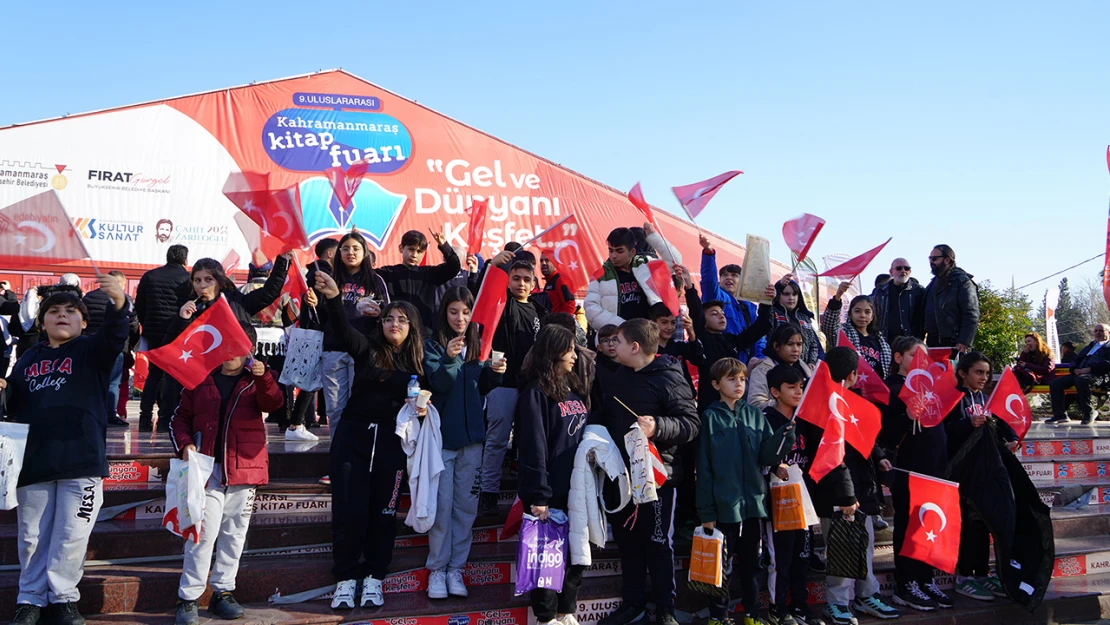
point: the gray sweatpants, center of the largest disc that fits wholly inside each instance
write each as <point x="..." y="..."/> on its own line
<point x="55" y="520"/>
<point x="838" y="590"/>
<point x="500" y="408"/>
<point x="456" y="506"/>
<point x="227" y="513"/>
<point x="339" y="375"/>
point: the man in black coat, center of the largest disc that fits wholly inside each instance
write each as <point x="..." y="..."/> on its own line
<point x="158" y="299"/>
<point x="1091" y="367"/>
<point x="950" y="304"/>
<point x="898" y="303"/>
<point x="97" y="302"/>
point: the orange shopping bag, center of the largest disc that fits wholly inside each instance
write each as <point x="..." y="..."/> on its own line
<point x="791" y="508"/>
<point x="707" y="557"/>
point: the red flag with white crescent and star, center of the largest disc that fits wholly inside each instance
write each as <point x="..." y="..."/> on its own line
<point x="488" y="306"/>
<point x="346" y="182"/>
<point x="37" y="231"/>
<point x="870" y="384"/>
<point x="636" y="196"/>
<point x="1008" y="403"/>
<point x="476" y="229"/>
<point x="663" y="282"/>
<point x="568" y="247"/>
<point x="1106" y="260"/>
<point x="930" y="391"/>
<point x="826" y="402"/>
<point x="694" y="197"/>
<point x="849" y="269"/>
<point x="933" y="530"/>
<point x="800" y="233"/>
<point x="192" y="356"/>
<point x="277" y="213"/>
<point x="830" y="451"/>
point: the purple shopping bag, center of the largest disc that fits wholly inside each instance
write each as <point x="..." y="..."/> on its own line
<point x="541" y="554"/>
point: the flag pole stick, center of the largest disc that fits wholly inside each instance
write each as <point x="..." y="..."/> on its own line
<point x="553" y="226"/>
<point x="626" y="407"/>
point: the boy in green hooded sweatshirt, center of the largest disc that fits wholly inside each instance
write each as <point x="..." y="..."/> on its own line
<point x="734" y="445"/>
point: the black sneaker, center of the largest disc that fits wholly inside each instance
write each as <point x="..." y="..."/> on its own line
<point x="817" y="564"/>
<point x="1087" y="420"/>
<point x="938" y="595"/>
<point x="487" y="504"/>
<point x="187" y="613"/>
<point x="26" y="614"/>
<point x="624" y="615"/>
<point x="780" y="616"/>
<point x="803" y="616"/>
<point x="66" y="614"/>
<point x="912" y="595"/>
<point x="223" y="605"/>
<point x="1056" y="420"/>
<point x="665" y="617"/>
<point x="116" y="421"/>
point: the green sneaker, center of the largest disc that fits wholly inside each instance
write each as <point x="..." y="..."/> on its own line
<point x="972" y="589"/>
<point x="993" y="585"/>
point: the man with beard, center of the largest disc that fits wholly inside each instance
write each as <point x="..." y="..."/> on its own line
<point x="162" y="230"/>
<point x="950" y="303"/>
<point x="898" y="303"/>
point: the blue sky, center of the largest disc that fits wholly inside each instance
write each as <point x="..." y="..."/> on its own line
<point x="983" y="124"/>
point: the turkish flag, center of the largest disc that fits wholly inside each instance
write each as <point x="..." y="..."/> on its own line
<point x="191" y="357"/>
<point x="826" y="401"/>
<point x="489" y="305"/>
<point x="930" y="391"/>
<point x="663" y="282"/>
<point x="943" y="355"/>
<point x="568" y="247"/>
<point x="694" y="197"/>
<point x="1106" y="265"/>
<point x="345" y="183"/>
<point x="870" y="384"/>
<point x="230" y="262"/>
<point x="513" y="521"/>
<point x="933" y="530"/>
<point x="38" y="231"/>
<point x="636" y="196"/>
<point x="277" y="213"/>
<point x="853" y="267"/>
<point x="800" y="233"/>
<point x="830" y="451"/>
<point x="295" y="284"/>
<point x="477" y="228"/>
<point x="1006" y="394"/>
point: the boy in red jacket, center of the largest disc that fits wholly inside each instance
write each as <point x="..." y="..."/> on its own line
<point x="222" y="418"/>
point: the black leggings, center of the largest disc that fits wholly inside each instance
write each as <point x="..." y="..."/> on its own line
<point x="743" y="557"/>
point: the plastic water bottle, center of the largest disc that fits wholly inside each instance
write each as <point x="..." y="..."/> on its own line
<point x="414" y="388"/>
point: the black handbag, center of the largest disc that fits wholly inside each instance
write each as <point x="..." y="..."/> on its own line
<point x="846" y="546"/>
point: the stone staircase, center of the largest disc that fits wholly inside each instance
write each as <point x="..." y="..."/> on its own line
<point x="134" y="564"/>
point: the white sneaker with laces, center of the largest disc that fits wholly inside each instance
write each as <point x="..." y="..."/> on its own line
<point x="344" y="596"/>
<point x="437" y="585"/>
<point x="455" y="584"/>
<point x="372" y="593"/>
<point x="300" y="433"/>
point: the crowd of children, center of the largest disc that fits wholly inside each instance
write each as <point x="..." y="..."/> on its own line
<point x="714" y="390"/>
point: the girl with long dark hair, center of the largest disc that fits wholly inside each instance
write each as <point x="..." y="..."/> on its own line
<point x="790" y="307"/>
<point x="459" y="383"/>
<point x="784" y="348"/>
<point x="367" y="461"/>
<point x="551" y="414"/>
<point x="861" y="329"/>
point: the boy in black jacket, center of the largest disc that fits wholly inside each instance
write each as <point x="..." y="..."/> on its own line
<point x="652" y="387"/>
<point x="412" y="283"/>
<point x="913" y="449"/>
<point x="56" y="388"/>
<point x="847" y="488"/>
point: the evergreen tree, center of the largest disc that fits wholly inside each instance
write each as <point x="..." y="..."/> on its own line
<point x="1070" y="320"/>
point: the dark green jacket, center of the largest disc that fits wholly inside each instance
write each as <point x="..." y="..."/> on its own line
<point x="458" y="393"/>
<point x="733" y="448"/>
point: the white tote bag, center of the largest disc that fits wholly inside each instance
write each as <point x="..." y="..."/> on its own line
<point x="185" y="495"/>
<point x="304" y="360"/>
<point x="13" y="443"/>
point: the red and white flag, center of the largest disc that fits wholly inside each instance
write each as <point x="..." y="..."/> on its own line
<point x="930" y="391"/>
<point x="933" y="530"/>
<point x="295" y="285"/>
<point x="658" y="469"/>
<point x="636" y="196"/>
<point x="568" y="247"/>
<point x="213" y="337"/>
<point x="870" y="384"/>
<point x="1106" y="265"/>
<point x="277" y="213"/>
<point x="830" y="451"/>
<point x="488" y="306"/>
<point x="849" y="269"/>
<point x="694" y="197"/>
<point x="662" y="281"/>
<point x="230" y="262"/>
<point x="477" y="228"/>
<point x="345" y="183"/>
<point x="37" y="231"/>
<point x="828" y="404"/>
<point x="800" y="233"/>
<point x="1008" y="403"/>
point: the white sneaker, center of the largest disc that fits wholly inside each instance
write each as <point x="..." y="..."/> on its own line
<point x="326" y="481"/>
<point x="569" y="620"/>
<point x="437" y="585"/>
<point x="372" y="593"/>
<point x="344" y="596"/>
<point x="300" y="433"/>
<point x="455" y="584"/>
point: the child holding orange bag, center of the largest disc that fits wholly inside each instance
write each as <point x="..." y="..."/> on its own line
<point x="731" y="490"/>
